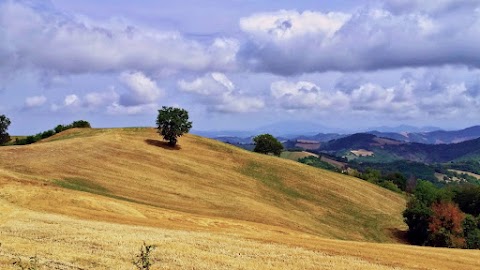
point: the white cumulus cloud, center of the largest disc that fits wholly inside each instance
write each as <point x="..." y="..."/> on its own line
<point x="35" y="101"/>
<point x="306" y="95"/>
<point x="219" y="93"/>
<point x="118" y="109"/>
<point x="371" y="38"/>
<point x="422" y="96"/>
<point x="71" y="100"/>
<point x="142" y="89"/>
<point x="287" y="24"/>
<point x="96" y="100"/>
<point x="141" y="96"/>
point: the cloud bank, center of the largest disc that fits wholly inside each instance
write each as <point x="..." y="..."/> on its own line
<point x="412" y="97"/>
<point x="395" y="34"/>
<point x="45" y="39"/>
<point x="292" y="42"/>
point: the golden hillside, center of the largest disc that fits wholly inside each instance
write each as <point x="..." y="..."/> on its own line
<point x="86" y="199"/>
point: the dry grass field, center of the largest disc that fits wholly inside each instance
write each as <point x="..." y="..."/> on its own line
<point x="362" y="153"/>
<point x="296" y="155"/>
<point x="87" y="199"/>
<point x="469" y="173"/>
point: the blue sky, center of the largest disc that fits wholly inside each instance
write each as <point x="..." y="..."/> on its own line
<point x="240" y="64"/>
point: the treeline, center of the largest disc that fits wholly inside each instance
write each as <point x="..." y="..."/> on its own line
<point x="468" y="166"/>
<point x="393" y="181"/>
<point x="423" y="171"/>
<point x="49" y="133"/>
<point x="436" y="153"/>
<point x="444" y="217"/>
<point x="318" y="163"/>
<point x="407" y="168"/>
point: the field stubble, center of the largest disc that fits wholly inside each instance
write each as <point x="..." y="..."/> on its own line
<point x="87" y="199"/>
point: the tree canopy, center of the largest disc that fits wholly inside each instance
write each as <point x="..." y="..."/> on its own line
<point x="443" y="217"/>
<point x="172" y="123"/>
<point x="4" y="123"/>
<point x="267" y="144"/>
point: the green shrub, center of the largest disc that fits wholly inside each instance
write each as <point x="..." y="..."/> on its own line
<point x="81" y="124"/>
<point x="390" y="185"/>
<point x="48" y="133"/>
<point x="471" y="231"/>
<point x="30" y="140"/>
<point x="417" y="215"/>
<point x="59" y="128"/>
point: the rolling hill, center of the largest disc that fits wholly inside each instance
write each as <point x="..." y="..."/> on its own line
<point x="87" y="198"/>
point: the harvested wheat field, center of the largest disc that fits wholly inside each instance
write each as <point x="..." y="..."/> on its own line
<point x="297" y="155"/>
<point x="88" y="198"/>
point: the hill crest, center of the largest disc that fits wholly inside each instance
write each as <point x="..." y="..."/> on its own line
<point x="88" y="198"/>
<point x="206" y="177"/>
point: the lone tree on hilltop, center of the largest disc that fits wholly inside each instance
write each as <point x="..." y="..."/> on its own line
<point x="172" y="123"/>
<point x="4" y="123"/>
<point x="266" y="144"/>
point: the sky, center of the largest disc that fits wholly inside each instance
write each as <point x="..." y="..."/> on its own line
<point x="241" y="64"/>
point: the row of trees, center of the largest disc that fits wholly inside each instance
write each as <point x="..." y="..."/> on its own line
<point x="43" y="135"/>
<point x="5" y="137"/>
<point x="444" y="217"/>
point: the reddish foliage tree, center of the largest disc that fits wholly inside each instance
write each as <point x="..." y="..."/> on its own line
<point x="445" y="227"/>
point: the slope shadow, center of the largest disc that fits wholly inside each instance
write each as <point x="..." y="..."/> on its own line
<point x="399" y="235"/>
<point x="162" y="144"/>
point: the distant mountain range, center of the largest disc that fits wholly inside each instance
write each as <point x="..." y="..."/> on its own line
<point x="430" y="137"/>
<point x="294" y="129"/>
<point x="371" y="148"/>
<point x="287" y="129"/>
<point x="433" y="137"/>
<point x="375" y="146"/>
<point x="404" y="128"/>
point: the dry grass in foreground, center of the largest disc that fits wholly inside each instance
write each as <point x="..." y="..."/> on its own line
<point x="87" y="199"/>
<point x="62" y="242"/>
